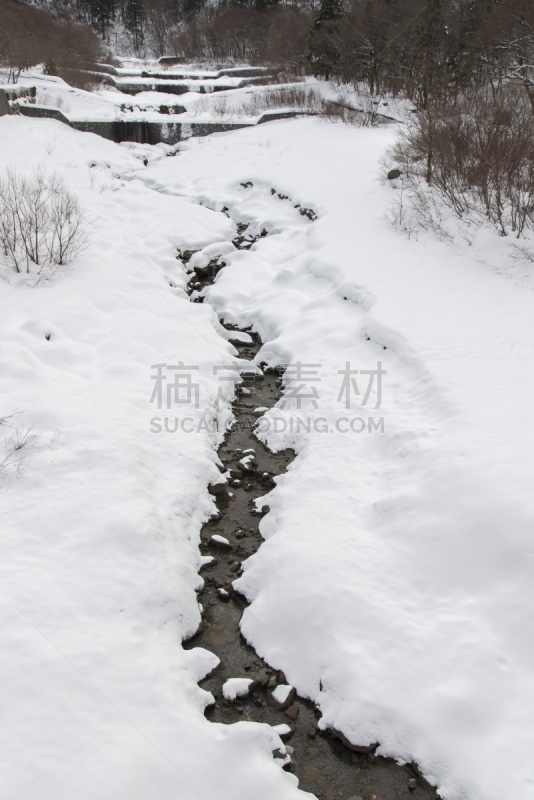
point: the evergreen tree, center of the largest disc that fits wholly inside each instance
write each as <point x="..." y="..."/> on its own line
<point x="133" y="18"/>
<point x="323" y="52"/>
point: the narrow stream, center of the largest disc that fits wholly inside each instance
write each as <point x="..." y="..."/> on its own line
<point x="324" y="764"/>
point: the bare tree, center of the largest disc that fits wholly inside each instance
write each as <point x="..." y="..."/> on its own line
<point x="519" y="56"/>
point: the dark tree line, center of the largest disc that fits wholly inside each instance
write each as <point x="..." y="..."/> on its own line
<point x="427" y="49"/>
<point x="31" y="36"/>
<point x="251" y="30"/>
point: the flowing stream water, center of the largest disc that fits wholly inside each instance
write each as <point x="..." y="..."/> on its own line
<point x="324" y="761"/>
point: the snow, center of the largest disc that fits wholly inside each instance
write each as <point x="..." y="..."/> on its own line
<point x="236" y="687"/>
<point x="220" y="539"/>
<point x="281" y="692"/>
<point x="99" y="550"/>
<point x="394" y="584"/>
<point x="208" y="98"/>
<point x="283" y="729"/>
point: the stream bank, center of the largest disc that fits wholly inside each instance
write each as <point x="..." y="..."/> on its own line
<point x="325" y="763"/>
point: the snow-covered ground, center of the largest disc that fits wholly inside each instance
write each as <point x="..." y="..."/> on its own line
<point x="99" y="555"/>
<point x="394" y="585"/>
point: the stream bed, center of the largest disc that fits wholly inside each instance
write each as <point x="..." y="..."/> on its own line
<point x="325" y="763"/>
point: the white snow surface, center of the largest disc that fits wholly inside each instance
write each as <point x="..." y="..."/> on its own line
<point x="236" y="687"/>
<point x="99" y="549"/>
<point x="220" y="539"/>
<point x="394" y="586"/>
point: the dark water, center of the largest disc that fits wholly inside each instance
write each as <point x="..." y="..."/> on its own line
<point x="324" y="764"/>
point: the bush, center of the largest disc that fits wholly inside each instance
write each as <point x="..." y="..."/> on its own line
<point x="294" y="97"/>
<point x="477" y="154"/>
<point x="41" y="221"/>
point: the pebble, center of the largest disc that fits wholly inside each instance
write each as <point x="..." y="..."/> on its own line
<point x="281" y="697"/>
<point x="292" y="712"/>
<point x="221" y="540"/>
<point x="218" y="487"/>
<point x="412" y="784"/>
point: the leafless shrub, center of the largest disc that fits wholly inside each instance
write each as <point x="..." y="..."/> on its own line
<point x="350" y="115"/>
<point x="16" y="451"/>
<point x="295" y="97"/>
<point x="41" y="221"/>
<point x="477" y="155"/>
<point x="300" y="98"/>
<point x="522" y="252"/>
<point x="17" y="445"/>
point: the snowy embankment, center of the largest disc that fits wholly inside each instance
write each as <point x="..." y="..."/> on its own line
<point x="394" y="587"/>
<point x="394" y="584"/>
<point x="203" y="102"/>
<point x="99" y="547"/>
